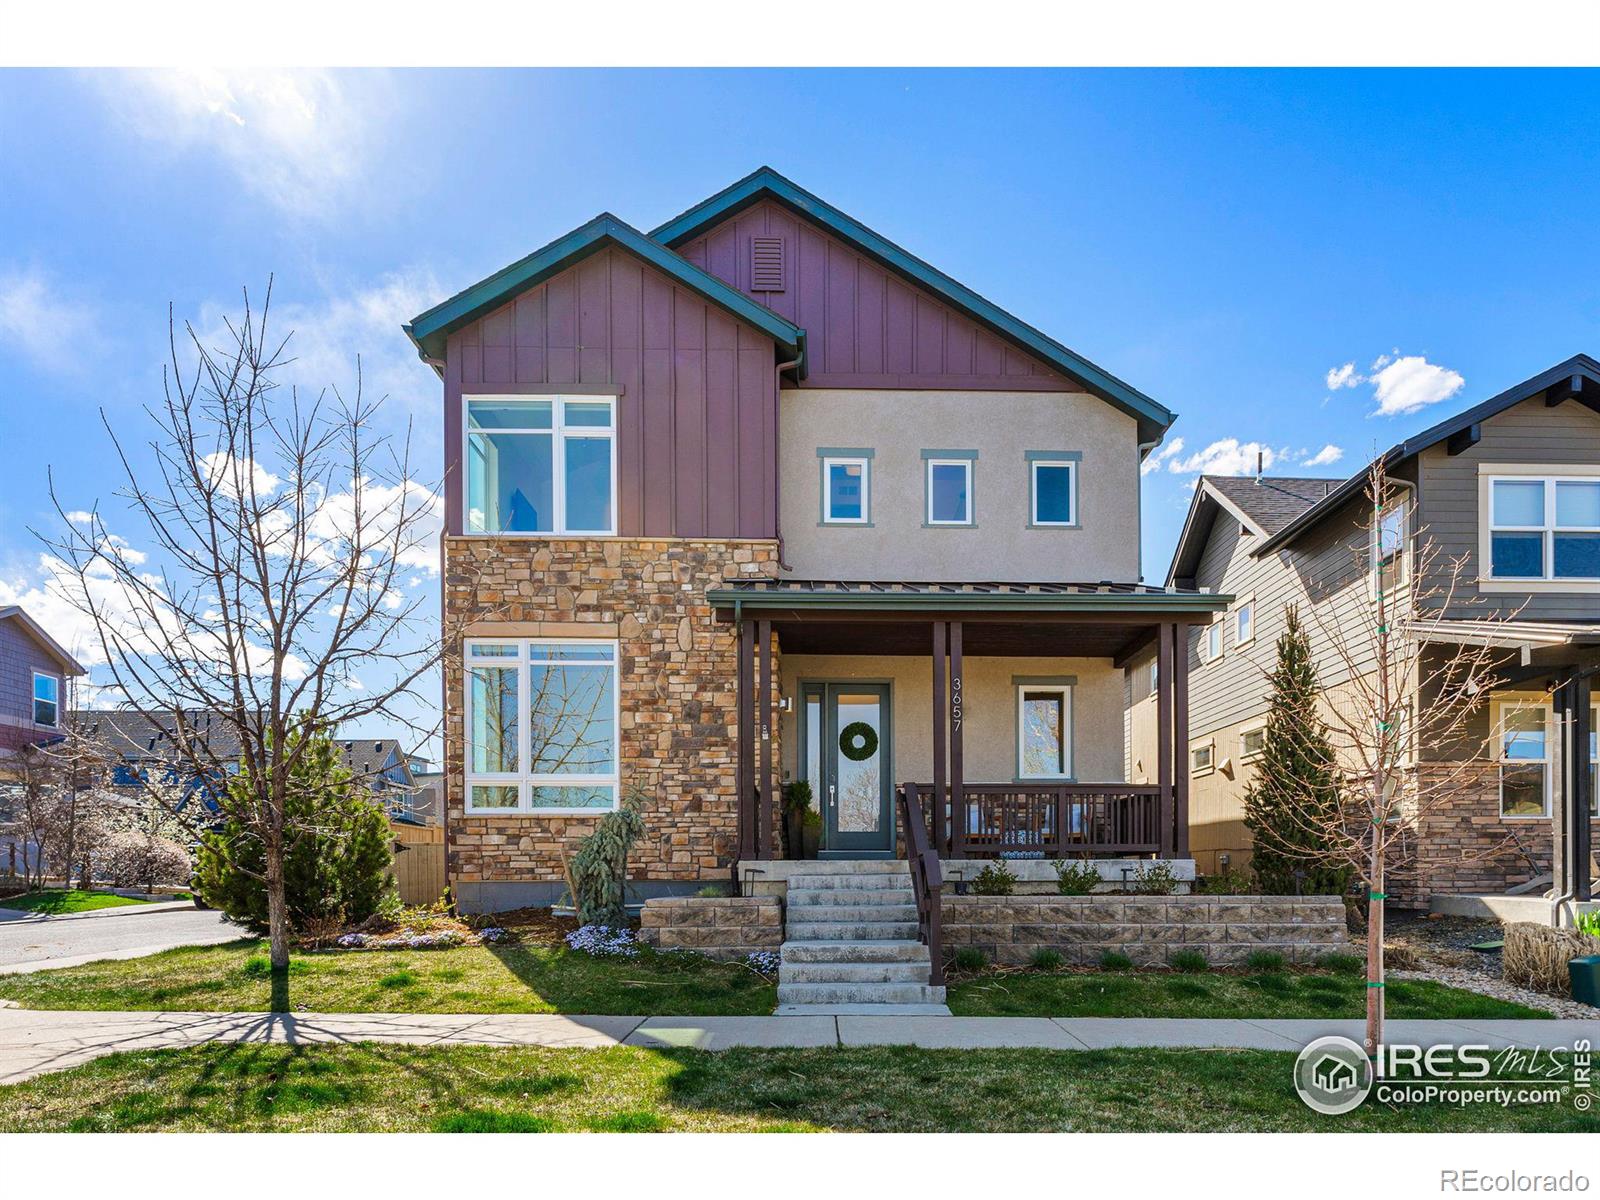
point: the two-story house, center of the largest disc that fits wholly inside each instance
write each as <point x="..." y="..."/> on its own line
<point x="1510" y="489"/>
<point x="761" y="496"/>
<point x="35" y="673"/>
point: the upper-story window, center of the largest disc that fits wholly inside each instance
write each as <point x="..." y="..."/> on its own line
<point x="949" y="486"/>
<point x="846" y="487"/>
<point x="1544" y="528"/>
<point x="1389" y="539"/>
<point x="46" y="699"/>
<point x="1211" y="642"/>
<point x="1053" y="488"/>
<point x="541" y="464"/>
<point x="1244" y="622"/>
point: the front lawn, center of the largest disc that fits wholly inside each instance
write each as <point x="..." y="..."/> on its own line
<point x="1210" y="994"/>
<point x="373" y="1087"/>
<point x="531" y="977"/>
<point x="66" y="900"/>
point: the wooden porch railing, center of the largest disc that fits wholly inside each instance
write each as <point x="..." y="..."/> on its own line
<point x="926" y="877"/>
<point x="1054" y="820"/>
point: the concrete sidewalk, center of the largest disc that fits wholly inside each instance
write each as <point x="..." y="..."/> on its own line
<point x="33" y="1042"/>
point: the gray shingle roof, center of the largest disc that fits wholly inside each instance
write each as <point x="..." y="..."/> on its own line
<point x="1271" y="501"/>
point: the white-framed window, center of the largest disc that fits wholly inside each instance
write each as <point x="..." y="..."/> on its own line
<point x="1594" y="761"/>
<point x="1389" y="538"/>
<point x="1211" y="641"/>
<point x="1202" y="758"/>
<point x="846" y="490"/>
<point x="542" y="718"/>
<point x="1252" y="743"/>
<point x="949" y="488"/>
<point x="1155" y="676"/>
<point x="1053" y="501"/>
<point x="541" y="464"/>
<point x="1244" y="622"/>
<point x="1044" y="731"/>
<point x="1522" y="744"/>
<point x="1544" y="528"/>
<point x="46" y="699"/>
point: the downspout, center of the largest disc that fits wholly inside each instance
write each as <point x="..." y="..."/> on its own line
<point x="777" y="465"/>
<point x="1561" y="814"/>
<point x="1138" y="506"/>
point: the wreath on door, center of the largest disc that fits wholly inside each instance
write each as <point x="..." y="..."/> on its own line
<point x="858" y="741"/>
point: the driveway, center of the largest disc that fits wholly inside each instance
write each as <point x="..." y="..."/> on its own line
<point x="31" y="942"/>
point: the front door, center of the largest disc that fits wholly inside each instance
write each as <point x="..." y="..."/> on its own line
<point x="857" y="792"/>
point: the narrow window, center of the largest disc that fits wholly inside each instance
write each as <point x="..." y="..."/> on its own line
<point x="949" y="491"/>
<point x="46" y="699"/>
<point x="542" y="721"/>
<point x="1389" y="539"/>
<point x="1244" y="622"/>
<point x="1044" y="732"/>
<point x="846" y="491"/>
<point x="1055" y="492"/>
<point x="541" y="465"/>
<point x="1523" y="734"/>
<point x="1213" y="642"/>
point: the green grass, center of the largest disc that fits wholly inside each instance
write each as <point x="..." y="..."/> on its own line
<point x="373" y="1087"/>
<point x="66" y="900"/>
<point x="1263" y="994"/>
<point x="536" y="978"/>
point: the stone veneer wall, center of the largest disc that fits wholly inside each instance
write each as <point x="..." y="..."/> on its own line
<point x="1460" y="843"/>
<point x="676" y="673"/>
<point x="718" y="928"/>
<point x="1226" y="929"/>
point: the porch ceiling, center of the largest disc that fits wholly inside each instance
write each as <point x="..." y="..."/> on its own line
<point x="803" y="634"/>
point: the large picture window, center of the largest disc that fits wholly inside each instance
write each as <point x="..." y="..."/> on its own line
<point x="1522" y="733"/>
<point x="541" y="464"/>
<point x="1044" y="732"/>
<point x="1544" y="528"/>
<point x="541" y="719"/>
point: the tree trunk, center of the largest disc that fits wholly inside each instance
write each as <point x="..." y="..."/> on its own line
<point x="1375" y="988"/>
<point x="277" y="908"/>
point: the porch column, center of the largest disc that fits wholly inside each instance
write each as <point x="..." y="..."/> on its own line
<point x="1579" y="693"/>
<point x="940" y="724"/>
<point x="1164" y="692"/>
<point x="1180" y="735"/>
<point x="744" y="773"/>
<point x="957" y="708"/>
<point x="764" y="847"/>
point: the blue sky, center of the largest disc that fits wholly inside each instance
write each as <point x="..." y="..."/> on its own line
<point x="1222" y="240"/>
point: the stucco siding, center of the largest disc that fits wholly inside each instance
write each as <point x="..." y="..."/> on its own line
<point x="1002" y="427"/>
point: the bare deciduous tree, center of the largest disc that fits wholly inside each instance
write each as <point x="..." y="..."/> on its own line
<point x="1400" y="719"/>
<point x="281" y="531"/>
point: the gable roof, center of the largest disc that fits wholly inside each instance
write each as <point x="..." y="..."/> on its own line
<point x="1578" y="377"/>
<point x="429" y="330"/>
<point x="1266" y="504"/>
<point x="70" y="665"/>
<point x="765" y="183"/>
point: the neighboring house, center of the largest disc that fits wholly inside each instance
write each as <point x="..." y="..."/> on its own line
<point x="35" y="677"/>
<point x="1511" y="487"/>
<point x="761" y="496"/>
<point x="392" y="775"/>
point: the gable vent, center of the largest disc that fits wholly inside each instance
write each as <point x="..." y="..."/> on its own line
<point x="766" y="264"/>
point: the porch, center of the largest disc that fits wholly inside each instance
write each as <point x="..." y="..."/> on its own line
<point x="994" y="712"/>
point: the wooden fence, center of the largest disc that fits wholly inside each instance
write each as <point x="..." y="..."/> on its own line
<point x="418" y="862"/>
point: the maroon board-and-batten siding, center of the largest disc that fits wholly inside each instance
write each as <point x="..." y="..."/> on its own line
<point x="697" y="415"/>
<point x="865" y="326"/>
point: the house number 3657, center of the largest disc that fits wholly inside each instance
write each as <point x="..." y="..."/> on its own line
<point x="955" y="701"/>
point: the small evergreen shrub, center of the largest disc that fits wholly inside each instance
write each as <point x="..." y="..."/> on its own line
<point x="1227" y="882"/>
<point x="713" y="891"/>
<point x="1188" y="961"/>
<point x="597" y="874"/>
<point x="1115" y="960"/>
<point x="1264" y="960"/>
<point x="995" y="879"/>
<point x="1076" y="878"/>
<point x="1342" y="964"/>
<point x="1046" y="959"/>
<point x="1154" y="878"/>
<point x="970" y="958"/>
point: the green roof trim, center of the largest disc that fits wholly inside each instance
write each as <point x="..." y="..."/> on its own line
<point x="430" y="330"/>
<point x="944" y="601"/>
<point x="1153" y="417"/>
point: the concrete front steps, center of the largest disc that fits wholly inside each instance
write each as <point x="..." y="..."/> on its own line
<point x="850" y="943"/>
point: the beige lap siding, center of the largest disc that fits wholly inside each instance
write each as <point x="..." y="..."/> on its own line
<point x="676" y="676"/>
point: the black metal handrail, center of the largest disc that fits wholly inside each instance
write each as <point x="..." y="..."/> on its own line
<point x="926" y="878"/>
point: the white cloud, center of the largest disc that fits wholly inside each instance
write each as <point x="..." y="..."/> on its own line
<point x="38" y="319"/>
<point x="1163" y="454"/>
<point x="1327" y="456"/>
<point x="303" y="140"/>
<point x="1227" y="456"/>
<point x="1401" y="383"/>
